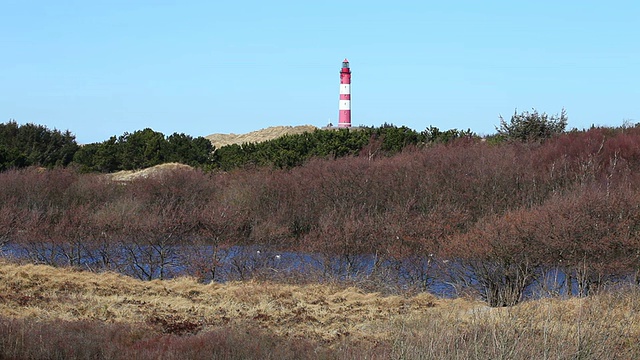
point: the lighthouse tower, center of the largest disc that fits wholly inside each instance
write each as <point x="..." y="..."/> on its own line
<point x="344" y="108"/>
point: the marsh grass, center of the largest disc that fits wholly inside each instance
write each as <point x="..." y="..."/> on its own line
<point x="58" y="313"/>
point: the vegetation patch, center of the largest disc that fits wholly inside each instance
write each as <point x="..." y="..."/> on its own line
<point x="266" y="320"/>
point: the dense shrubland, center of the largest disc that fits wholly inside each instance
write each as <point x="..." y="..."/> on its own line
<point x="490" y="218"/>
<point x="529" y="212"/>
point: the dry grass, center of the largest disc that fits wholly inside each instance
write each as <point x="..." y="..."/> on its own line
<point x="270" y="133"/>
<point x="420" y="326"/>
<point x="154" y="171"/>
<point x="322" y="312"/>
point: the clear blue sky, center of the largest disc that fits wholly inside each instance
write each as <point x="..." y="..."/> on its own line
<point x="103" y="67"/>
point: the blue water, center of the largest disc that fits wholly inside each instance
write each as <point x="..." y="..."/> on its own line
<point x="442" y="278"/>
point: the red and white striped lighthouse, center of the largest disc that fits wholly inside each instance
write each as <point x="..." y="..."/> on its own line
<point x="344" y="108"/>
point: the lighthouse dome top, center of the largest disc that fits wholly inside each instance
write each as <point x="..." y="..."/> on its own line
<point x="345" y="63"/>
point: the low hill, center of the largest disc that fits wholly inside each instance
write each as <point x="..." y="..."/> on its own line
<point x="154" y="171"/>
<point x="270" y="133"/>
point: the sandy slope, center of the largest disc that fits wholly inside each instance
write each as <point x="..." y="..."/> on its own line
<point x="154" y="171"/>
<point x="269" y="133"/>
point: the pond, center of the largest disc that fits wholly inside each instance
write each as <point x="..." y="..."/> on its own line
<point x="445" y="278"/>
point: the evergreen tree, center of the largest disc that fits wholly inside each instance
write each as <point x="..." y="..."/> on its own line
<point x="532" y="126"/>
<point x="35" y="145"/>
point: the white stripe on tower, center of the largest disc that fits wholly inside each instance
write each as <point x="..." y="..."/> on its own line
<point x="344" y="107"/>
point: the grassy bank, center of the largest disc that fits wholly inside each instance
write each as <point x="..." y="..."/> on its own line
<point x="58" y="313"/>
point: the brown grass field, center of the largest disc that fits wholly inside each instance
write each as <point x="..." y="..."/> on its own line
<point x="269" y="320"/>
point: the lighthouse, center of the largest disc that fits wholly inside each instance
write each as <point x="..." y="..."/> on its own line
<point x="344" y="107"/>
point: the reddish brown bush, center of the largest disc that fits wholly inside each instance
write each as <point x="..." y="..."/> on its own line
<point x="380" y="218"/>
<point x="28" y="339"/>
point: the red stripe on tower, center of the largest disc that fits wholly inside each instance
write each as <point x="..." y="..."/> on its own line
<point x="344" y="108"/>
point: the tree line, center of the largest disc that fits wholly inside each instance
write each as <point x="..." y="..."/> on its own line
<point x="142" y="149"/>
<point x="491" y="219"/>
<point x="35" y="145"/>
